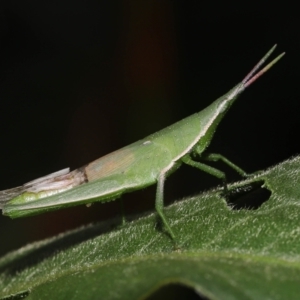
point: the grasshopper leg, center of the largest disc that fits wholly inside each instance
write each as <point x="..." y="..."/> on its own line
<point x="205" y="168"/>
<point x="159" y="203"/>
<point x="217" y="157"/>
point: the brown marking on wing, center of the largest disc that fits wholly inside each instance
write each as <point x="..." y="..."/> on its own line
<point x="82" y="170"/>
<point x="113" y="163"/>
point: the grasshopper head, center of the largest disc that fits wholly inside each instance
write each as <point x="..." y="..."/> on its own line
<point x="251" y="77"/>
<point x="211" y="116"/>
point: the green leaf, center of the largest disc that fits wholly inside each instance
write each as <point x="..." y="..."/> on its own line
<point x="221" y="252"/>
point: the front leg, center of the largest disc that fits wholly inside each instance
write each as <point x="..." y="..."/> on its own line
<point x="206" y="168"/>
<point x="217" y="157"/>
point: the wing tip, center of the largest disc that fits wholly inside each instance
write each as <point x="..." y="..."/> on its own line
<point x="7" y="195"/>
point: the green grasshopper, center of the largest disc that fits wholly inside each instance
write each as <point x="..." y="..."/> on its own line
<point x="146" y="162"/>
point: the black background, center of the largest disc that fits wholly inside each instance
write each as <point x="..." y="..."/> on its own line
<point x="79" y="79"/>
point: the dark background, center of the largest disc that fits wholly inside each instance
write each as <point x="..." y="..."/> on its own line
<point x="79" y="79"/>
